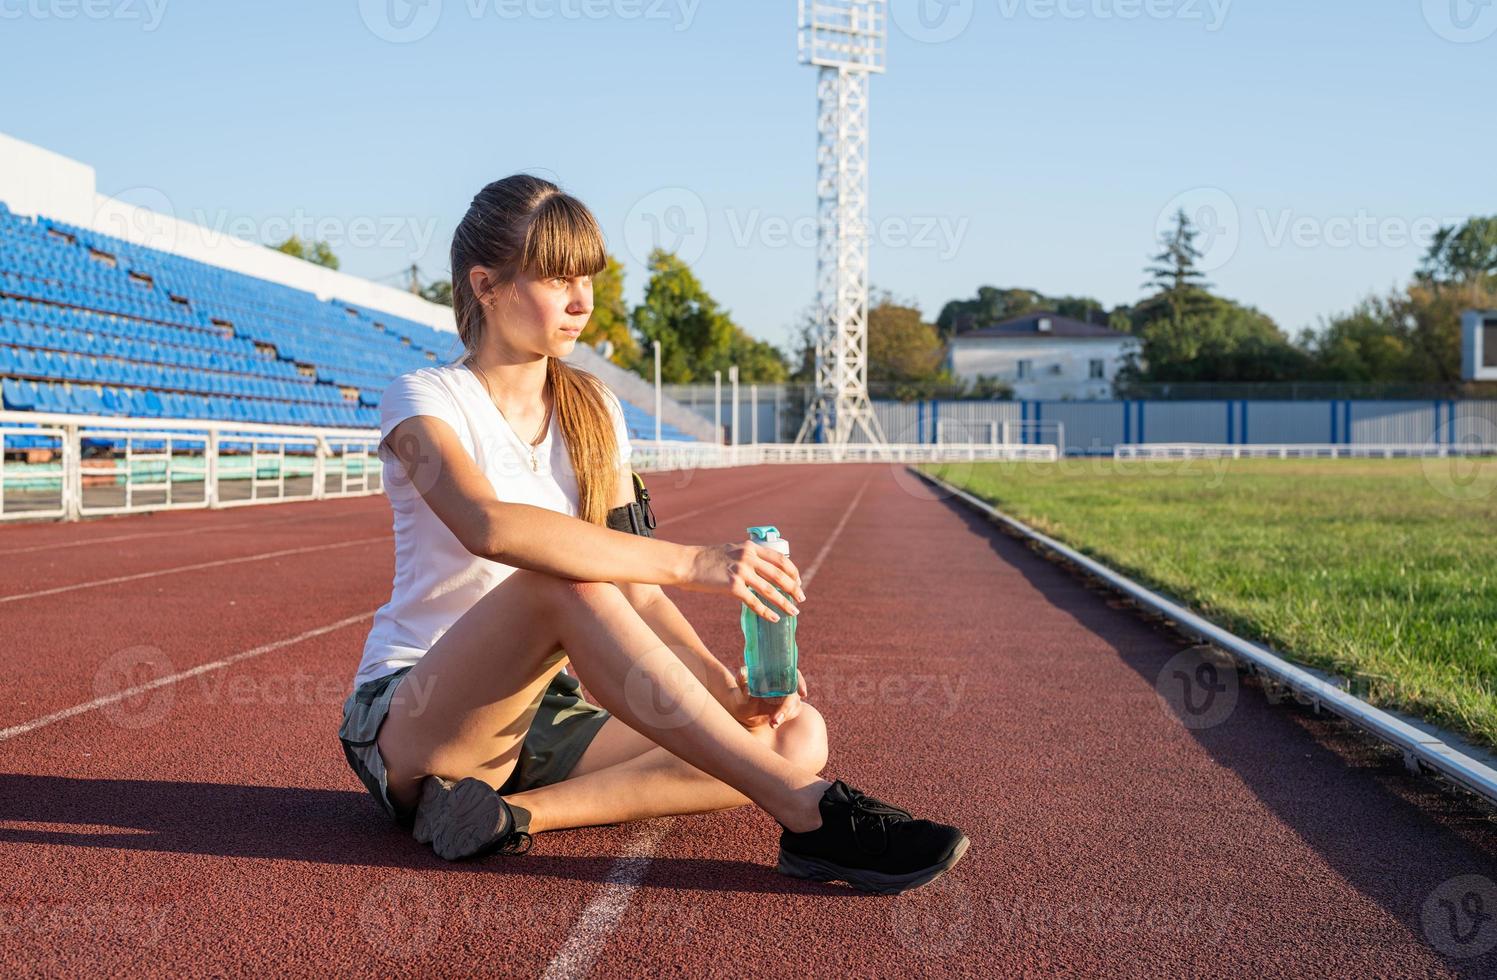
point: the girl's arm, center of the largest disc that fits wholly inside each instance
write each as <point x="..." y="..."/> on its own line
<point x="438" y="468"/>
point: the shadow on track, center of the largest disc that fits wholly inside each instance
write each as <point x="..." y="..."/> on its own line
<point x="320" y="826"/>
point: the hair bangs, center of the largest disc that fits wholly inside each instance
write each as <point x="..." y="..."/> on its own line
<point x="563" y="240"/>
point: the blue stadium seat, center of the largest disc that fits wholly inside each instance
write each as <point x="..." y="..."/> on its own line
<point x="65" y="316"/>
<point x="88" y="401"/>
<point x="18" y="395"/>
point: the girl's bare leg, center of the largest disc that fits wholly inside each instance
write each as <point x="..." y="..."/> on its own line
<point x="465" y="706"/>
<point x="655" y="783"/>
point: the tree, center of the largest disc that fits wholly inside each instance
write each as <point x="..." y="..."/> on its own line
<point x="1433" y="315"/>
<point x="989" y="388"/>
<point x="1082" y="308"/>
<point x="759" y="361"/>
<point x="902" y="347"/>
<point x="1174" y="274"/>
<point x="1462" y="257"/>
<point x="1414" y="334"/>
<point x="696" y="336"/>
<point x="1372" y="343"/>
<point x="803" y="346"/>
<point x="1217" y="340"/>
<point x="993" y="305"/>
<point x="903" y="350"/>
<point x="317" y="253"/>
<point x="610" y="319"/>
<point x="439" y="292"/>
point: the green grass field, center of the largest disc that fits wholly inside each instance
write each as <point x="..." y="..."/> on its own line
<point x="1384" y="571"/>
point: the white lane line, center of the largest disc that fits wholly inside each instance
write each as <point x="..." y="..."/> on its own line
<point x="89" y="542"/>
<point x="606" y="910"/>
<point x="836" y="533"/>
<point x="108" y="699"/>
<point x="188" y="568"/>
<point x="603" y="914"/>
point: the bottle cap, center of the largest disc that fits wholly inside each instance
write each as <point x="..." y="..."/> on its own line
<point x="769" y="536"/>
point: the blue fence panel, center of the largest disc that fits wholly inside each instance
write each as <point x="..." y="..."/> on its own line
<point x="1392" y="422"/>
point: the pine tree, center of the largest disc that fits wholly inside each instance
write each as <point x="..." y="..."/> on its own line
<point x="1174" y="274"/>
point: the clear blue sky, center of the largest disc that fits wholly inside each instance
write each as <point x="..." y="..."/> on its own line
<point x="1036" y="146"/>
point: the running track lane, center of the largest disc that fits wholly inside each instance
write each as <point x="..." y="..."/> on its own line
<point x="208" y="823"/>
<point x="960" y="675"/>
<point x="972" y="680"/>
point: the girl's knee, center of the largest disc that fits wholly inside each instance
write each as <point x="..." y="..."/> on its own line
<point x="564" y="592"/>
<point x="803" y="739"/>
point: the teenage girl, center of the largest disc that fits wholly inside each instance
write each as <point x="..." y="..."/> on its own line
<point x="502" y="468"/>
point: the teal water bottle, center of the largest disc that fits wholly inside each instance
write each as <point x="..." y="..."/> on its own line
<point x="769" y="648"/>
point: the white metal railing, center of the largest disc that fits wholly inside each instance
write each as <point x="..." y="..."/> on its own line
<point x="194" y="463"/>
<point x="1203" y="450"/>
<point x="24" y="479"/>
<point x="1010" y="432"/>
<point x="186" y="463"/>
<point x="354" y="486"/>
<point x="650" y="455"/>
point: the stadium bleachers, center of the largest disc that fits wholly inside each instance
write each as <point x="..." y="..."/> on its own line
<point x="91" y="324"/>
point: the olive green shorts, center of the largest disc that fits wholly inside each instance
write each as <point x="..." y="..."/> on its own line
<point x="563" y="727"/>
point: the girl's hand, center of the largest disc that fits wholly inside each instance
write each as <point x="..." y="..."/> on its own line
<point x="752" y="712"/>
<point x="735" y="569"/>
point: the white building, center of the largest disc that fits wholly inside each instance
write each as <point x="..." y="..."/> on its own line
<point x="1043" y="356"/>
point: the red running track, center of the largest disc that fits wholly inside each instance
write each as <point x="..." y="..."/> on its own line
<point x="210" y="825"/>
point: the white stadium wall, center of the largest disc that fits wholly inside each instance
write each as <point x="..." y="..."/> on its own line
<point x="37" y="181"/>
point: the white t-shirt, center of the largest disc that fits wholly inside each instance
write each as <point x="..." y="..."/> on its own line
<point x="436" y="578"/>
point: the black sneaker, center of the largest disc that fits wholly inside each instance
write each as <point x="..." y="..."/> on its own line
<point x="870" y="844"/>
<point x="466" y="819"/>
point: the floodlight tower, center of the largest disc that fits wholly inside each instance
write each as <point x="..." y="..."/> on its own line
<point x="845" y="40"/>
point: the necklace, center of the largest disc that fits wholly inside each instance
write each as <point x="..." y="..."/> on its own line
<point x="535" y="466"/>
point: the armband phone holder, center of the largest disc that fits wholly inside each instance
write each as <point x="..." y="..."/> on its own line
<point x="635" y="518"/>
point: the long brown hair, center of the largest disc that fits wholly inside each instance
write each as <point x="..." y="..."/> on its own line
<point x="526" y="224"/>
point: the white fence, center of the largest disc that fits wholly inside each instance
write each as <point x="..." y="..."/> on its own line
<point x="1005" y="432"/>
<point x="106" y="465"/>
<point x="86" y="466"/>
<point x="1196" y="450"/>
<point x="651" y="456"/>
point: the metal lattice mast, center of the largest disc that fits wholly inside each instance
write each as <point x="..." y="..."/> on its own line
<point x="845" y="40"/>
